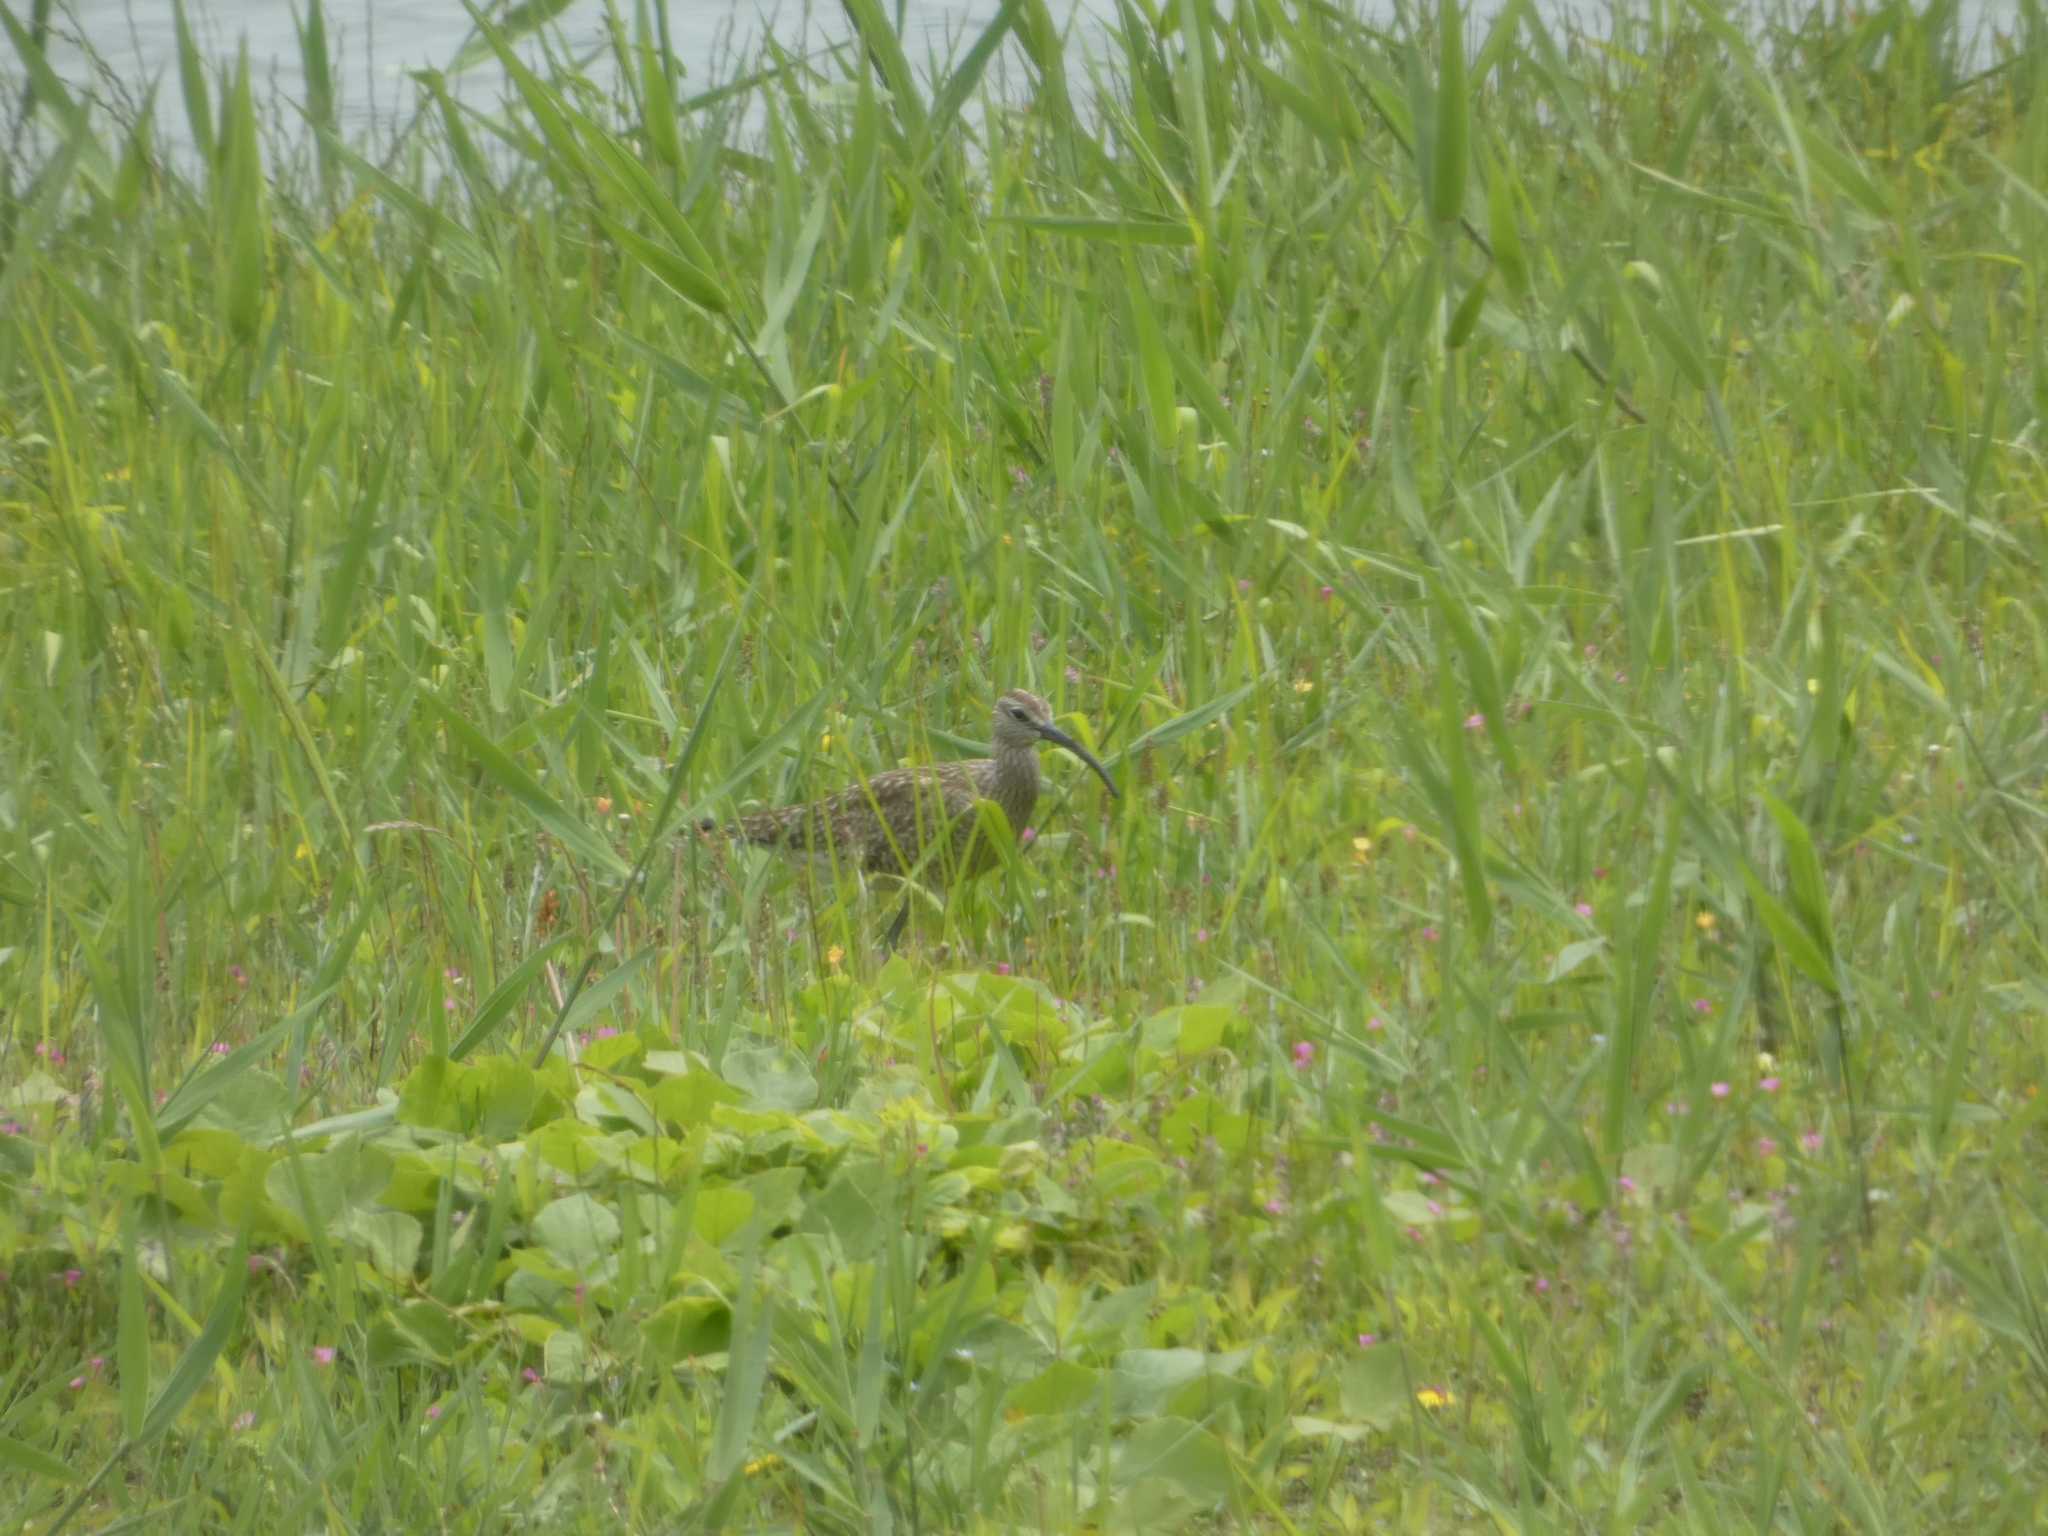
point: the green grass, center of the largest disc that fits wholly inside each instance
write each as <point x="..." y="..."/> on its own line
<point x="1547" y="529"/>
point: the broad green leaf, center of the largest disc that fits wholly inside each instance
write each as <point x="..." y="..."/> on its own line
<point x="1065" y="1386"/>
<point x="721" y="1212"/>
<point x="1374" y="1387"/>
<point x="772" y="1077"/>
<point x="414" y="1333"/>
<point x="1200" y="1118"/>
<point x="319" y="1188"/>
<point x="856" y="1207"/>
<point x="567" y="1359"/>
<point x="579" y="1150"/>
<point x="392" y="1239"/>
<point x="253" y="1106"/>
<point x="1144" y="1378"/>
<point x="688" y="1326"/>
<point x="1411" y="1208"/>
<point x="579" y="1231"/>
<point x="1180" y="1453"/>
<point x="1574" y="955"/>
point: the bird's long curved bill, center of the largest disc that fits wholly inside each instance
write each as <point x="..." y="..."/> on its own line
<point x="1060" y="738"/>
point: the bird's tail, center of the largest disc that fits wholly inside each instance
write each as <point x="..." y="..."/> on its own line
<point x="763" y="829"/>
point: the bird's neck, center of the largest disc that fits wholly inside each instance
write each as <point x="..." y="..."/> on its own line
<point x="1015" y="777"/>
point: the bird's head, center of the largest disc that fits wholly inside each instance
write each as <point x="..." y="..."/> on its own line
<point x="1023" y="720"/>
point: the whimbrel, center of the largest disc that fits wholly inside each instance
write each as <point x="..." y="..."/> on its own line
<point x="924" y="820"/>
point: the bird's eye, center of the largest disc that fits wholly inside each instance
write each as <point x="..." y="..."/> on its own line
<point x="1016" y="714"/>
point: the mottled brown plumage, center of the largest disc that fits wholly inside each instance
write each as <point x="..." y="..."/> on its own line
<point x="923" y="821"/>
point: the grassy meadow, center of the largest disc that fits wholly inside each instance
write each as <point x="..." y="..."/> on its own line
<point x="1546" y="526"/>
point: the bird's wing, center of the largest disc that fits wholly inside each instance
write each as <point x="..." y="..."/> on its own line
<point x="897" y="815"/>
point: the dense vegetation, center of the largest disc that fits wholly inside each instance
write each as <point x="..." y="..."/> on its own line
<point x="1548" y="529"/>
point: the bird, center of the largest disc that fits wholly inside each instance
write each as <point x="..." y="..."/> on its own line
<point x="913" y="821"/>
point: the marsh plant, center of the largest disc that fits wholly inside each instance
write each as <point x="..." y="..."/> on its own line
<point x="1544" y="526"/>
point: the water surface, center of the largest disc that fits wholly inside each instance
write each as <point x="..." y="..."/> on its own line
<point x="375" y="45"/>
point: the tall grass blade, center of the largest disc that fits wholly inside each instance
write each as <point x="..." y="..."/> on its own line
<point x="322" y="106"/>
<point x="1640" y="964"/>
<point x="1458" y="799"/>
<point x="746" y="1373"/>
<point x="185" y="1379"/>
<point x="523" y="18"/>
<point x="526" y="792"/>
<point x="1450" y="144"/>
<point x="497" y="1008"/>
<point x="192" y="80"/>
<point x="965" y="79"/>
<point x="131" y="1334"/>
<point x="884" y="49"/>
